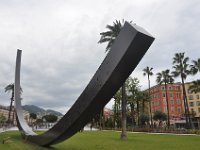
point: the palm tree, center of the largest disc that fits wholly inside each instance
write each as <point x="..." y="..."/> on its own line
<point x="10" y="88"/>
<point x="195" y="67"/>
<point x="142" y="97"/>
<point x="148" y="71"/>
<point x="133" y="89"/>
<point x="165" y="77"/>
<point x="117" y="99"/>
<point x="181" y="68"/>
<point x="110" y="36"/>
<point x="195" y="87"/>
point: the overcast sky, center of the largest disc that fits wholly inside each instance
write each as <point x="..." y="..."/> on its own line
<point x="59" y="42"/>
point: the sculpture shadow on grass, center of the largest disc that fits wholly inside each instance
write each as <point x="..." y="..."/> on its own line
<point x="123" y="57"/>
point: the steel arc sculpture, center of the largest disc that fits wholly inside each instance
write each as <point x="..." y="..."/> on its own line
<point x="125" y="54"/>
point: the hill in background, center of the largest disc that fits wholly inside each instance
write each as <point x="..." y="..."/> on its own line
<point x="40" y="111"/>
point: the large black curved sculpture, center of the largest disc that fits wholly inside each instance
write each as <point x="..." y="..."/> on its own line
<point x="126" y="52"/>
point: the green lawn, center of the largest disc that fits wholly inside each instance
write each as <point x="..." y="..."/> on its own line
<point x="108" y="140"/>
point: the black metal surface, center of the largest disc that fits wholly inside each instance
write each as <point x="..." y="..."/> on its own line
<point x="125" y="54"/>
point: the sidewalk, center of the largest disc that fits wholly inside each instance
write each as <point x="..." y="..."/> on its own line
<point x="86" y="128"/>
<point x="8" y="129"/>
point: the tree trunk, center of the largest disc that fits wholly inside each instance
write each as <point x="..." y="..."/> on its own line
<point x="168" y="117"/>
<point x="138" y="113"/>
<point x="150" y="105"/>
<point x="115" y="113"/>
<point x="143" y="105"/>
<point x="123" y="133"/>
<point x="13" y="119"/>
<point x="132" y="115"/>
<point x="10" y="109"/>
<point x="103" y="119"/>
<point x="100" y="120"/>
<point x="188" y="120"/>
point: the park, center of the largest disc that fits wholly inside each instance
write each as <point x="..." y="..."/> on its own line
<point x="163" y="115"/>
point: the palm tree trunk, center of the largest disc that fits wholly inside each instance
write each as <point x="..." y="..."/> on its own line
<point x="188" y="120"/>
<point x="132" y="114"/>
<point x="123" y="133"/>
<point x="168" y="117"/>
<point x="13" y="119"/>
<point x="150" y="105"/>
<point x="138" y="112"/>
<point x="143" y="106"/>
<point x="115" y="114"/>
<point x="103" y="119"/>
<point x="100" y="120"/>
<point x="10" y="109"/>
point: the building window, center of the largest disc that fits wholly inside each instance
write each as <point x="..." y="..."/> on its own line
<point x="191" y="104"/>
<point x="179" y="110"/>
<point x="199" y="109"/>
<point x="172" y="102"/>
<point x="163" y="88"/>
<point x="163" y="94"/>
<point x="171" y="95"/>
<point x="169" y="87"/>
<point x="190" y="97"/>
<point x="178" y="101"/>
<point x="197" y="96"/>
<point x="198" y="103"/>
<point x="172" y="109"/>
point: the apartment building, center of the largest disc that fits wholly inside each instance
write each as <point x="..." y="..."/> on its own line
<point x="174" y="94"/>
<point x="193" y="100"/>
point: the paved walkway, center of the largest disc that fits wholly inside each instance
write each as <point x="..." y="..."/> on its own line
<point x="157" y="133"/>
<point x="8" y="129"/>
<point x="86" y="128"/>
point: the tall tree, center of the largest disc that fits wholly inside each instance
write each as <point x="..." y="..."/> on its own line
<point x="148" y="72"/>
<point x="145" y="98"/>
<point x="133" y="89"/>
<point x="142" y="97"/>
<point x="110" y="36"/>
<point x="165" y="77"/>
<point x="117" y="99"/>
<point x="195" y="87"/>
<point x="10" y="88"/>
<point x="195" y="67"/>
<point x="181" y="68"/>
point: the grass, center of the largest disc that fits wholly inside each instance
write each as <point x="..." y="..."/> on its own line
<point x="107" y="140"/>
